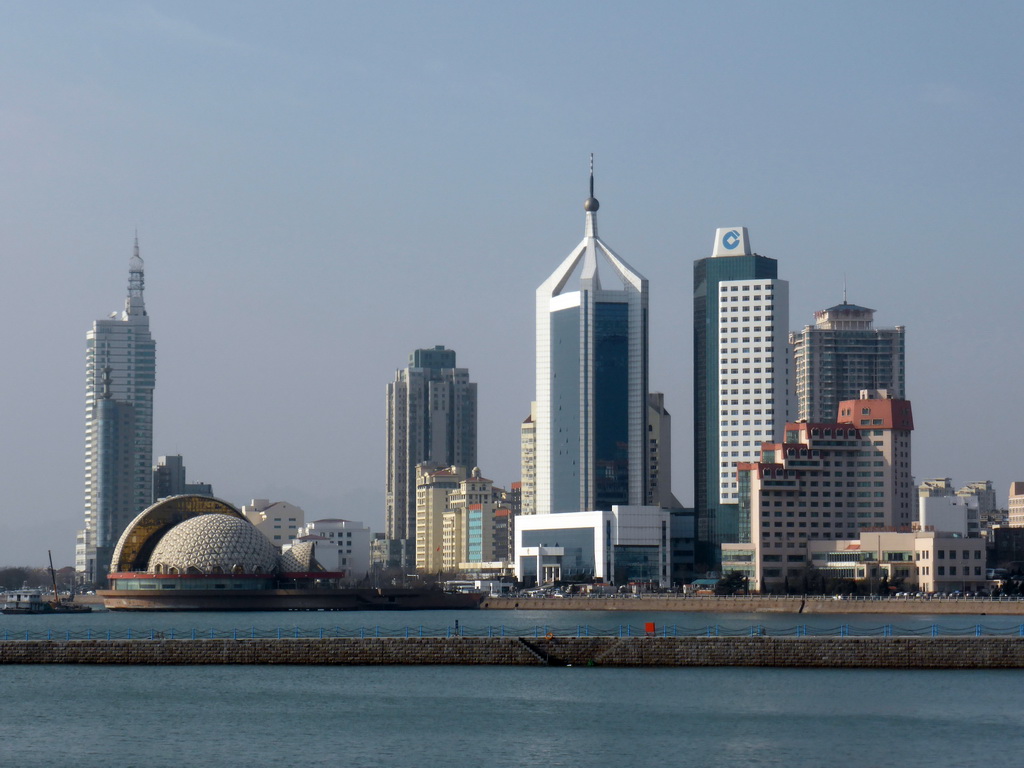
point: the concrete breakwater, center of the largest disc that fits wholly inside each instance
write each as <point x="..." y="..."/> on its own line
<point x="804" y="605"/>
<point x="820" y="652"/>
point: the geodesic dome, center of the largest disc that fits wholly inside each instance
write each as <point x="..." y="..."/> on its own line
<point x="210" y="544"/>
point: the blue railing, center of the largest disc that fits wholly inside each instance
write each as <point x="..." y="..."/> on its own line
<point x="503" y="630"/>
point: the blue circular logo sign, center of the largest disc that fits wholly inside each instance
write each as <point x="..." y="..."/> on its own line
<point x="731" y="239"/>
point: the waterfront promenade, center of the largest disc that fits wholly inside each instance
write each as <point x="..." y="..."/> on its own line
<point x="764" y="604"/>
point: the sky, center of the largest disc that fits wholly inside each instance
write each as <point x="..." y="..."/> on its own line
<point x="320" y="188"/>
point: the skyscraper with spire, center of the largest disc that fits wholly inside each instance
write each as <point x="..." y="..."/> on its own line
<point x="591" y="415"/>
<point x="119" y="380"/>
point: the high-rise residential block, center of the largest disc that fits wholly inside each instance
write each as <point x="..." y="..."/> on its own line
<point x="431" y="419"/>
<point x="591" y="417"/>
<point x="982" y="493"/>
<point x="740" y="376"/>
<point x="169" y="479"/>
<point x="528" y="462"/>
<point x="119" y="381"/>
<point x="659" y="444"/>
<point x="841" y="354"/>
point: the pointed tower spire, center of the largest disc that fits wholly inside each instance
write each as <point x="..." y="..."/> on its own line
<point x="591" y="205"/>
<point x="134" y="304"/>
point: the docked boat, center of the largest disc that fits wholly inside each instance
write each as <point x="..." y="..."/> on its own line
<point x="31" y="601"/>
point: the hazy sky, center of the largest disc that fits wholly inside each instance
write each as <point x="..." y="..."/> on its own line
<point x="321" y="187"/>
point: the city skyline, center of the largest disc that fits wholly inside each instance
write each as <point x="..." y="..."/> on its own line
<point x="317" y="193"/>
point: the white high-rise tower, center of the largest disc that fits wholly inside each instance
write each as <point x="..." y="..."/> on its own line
<point x="119" y="380"/>
<point x="591" y="417"/>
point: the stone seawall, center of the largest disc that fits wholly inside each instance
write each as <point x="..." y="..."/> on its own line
<point x="830" y="652"/>
<point x="658" y="603"/>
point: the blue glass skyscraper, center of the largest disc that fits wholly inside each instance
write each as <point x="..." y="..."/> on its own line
<point x="591" y="430"/>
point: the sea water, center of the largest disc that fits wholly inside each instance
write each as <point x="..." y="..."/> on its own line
<point x="125" y="716"/>
<point x="467" y="717"/>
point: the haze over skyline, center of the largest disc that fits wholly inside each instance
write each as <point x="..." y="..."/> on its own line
<point x="320" y="189"/>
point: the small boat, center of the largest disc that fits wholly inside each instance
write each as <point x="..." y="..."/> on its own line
<point x="28" y="600"/>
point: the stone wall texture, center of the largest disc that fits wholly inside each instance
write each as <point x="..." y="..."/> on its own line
<point x="831" y="652"/>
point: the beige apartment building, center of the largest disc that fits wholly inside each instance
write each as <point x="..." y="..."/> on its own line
<point x="433" y="484"/>
<point x="825" y="482"/>
<point x="456" y="514"/>
<point x="1016" y="504"/>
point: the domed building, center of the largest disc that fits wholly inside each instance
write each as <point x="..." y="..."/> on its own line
<point x="196" y="544"/>
<point x="197" y="553"/>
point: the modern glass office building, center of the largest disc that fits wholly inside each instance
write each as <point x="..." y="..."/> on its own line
<point x="591" y="411"/>
<point x="740" y="377"/>
<point x="119" y="381"/>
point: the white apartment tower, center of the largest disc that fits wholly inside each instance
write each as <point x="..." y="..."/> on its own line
<point x="119" y="380"/>
<point x="591" y="417"/>
<point x="753" y="367"/>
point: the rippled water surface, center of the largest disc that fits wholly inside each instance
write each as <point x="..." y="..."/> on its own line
<point x="507" y="716"/>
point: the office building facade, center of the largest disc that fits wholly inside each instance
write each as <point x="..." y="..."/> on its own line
<point x="120" y="378"/>
<point x="740" y="377"/>
<point x="591" y="416"/>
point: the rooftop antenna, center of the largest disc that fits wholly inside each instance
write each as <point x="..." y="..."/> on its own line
<point x="591" y="205"/>
<point x="844" y="288"/>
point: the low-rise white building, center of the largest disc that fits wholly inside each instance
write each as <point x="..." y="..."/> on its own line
<point x="626" y="544"/>
<point x="279" y="521"/>
<point x="341" y="545"/>
<point x="952" y="514"/>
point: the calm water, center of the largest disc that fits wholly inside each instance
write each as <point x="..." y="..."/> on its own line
<point x="502" y="716"/>
<point x="476" y="622"/>
<point x="507" y="716"/>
